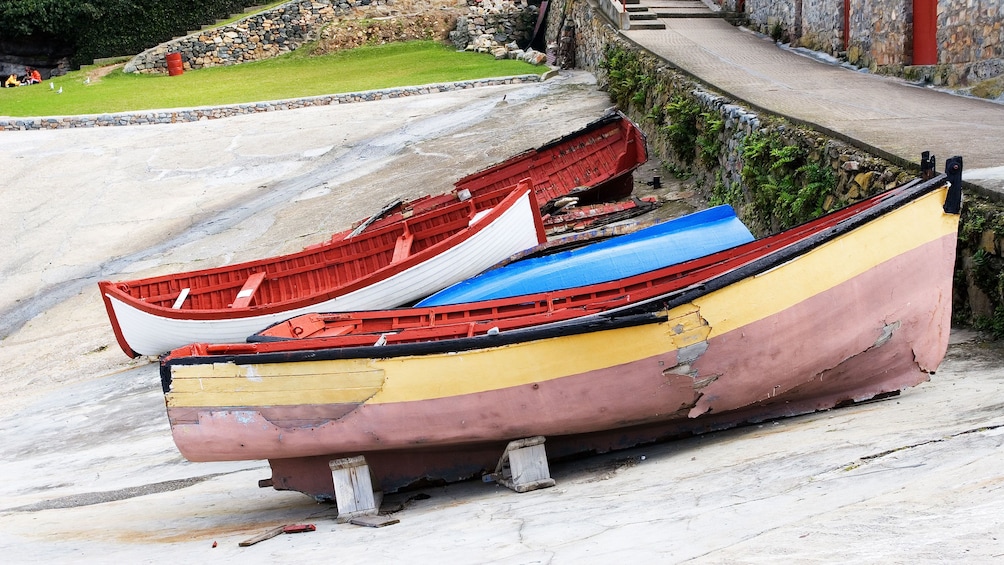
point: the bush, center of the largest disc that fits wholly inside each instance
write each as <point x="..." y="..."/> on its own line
<point x="94" y="29"/>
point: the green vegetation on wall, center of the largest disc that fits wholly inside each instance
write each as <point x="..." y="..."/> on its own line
<point x="979" y="276"/>
<point x="627" y="82"/>
<point x="784" y="185"/>
<point x="786" y="179"/>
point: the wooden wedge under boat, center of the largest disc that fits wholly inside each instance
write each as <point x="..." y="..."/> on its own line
<point x="386" y="266"/>
<point x="851" y="306"/>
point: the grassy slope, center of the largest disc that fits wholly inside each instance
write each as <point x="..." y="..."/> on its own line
<point x="290" y="76"/>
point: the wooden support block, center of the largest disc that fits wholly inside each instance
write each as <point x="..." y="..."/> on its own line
<point x="374" y="521"/>
<point x="354" y="493"/>
<point x="246" y="294"/>
<point x="523" y="466"/>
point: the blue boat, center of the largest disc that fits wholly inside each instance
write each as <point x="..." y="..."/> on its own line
<point x="675" y="241"/>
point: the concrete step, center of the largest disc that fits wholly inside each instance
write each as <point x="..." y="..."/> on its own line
<point x="639" y="16"/>
<point x="648" y="25"/>
<point x="684" y="14"/>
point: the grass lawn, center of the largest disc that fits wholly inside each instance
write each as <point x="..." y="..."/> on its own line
<point x="293" y="75"/>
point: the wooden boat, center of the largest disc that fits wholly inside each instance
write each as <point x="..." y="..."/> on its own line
<point x="572" y="176"/>
<point x="660" y="245"/>
<point x="852" y="306"/>
<point x="383" y="267"/>
<point x="151" y="316"/>
<point x="594" y="164"/>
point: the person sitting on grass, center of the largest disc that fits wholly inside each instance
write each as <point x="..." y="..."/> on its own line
<point x="12" y="81"/>
<point x="31" y="76"/>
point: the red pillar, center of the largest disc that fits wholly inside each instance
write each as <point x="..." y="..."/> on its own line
<point x="847" y="24"/>
<point x="925" y="32"/>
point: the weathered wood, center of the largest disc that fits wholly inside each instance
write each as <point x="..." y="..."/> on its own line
<point x="523" y="466"/>
<point x="262" y="537"/>
<point x="374" y="521"/>
<point x="354" y="494"/>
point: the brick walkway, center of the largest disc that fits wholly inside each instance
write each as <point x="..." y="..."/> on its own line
<point x="887" y="116"/>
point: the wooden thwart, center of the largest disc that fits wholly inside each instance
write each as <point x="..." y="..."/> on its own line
<point x="402" y="248"/>
<point x="246" y="295"/>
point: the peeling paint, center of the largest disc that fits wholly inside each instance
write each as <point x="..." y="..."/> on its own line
<point x="887" y="332"/>
<point x="245" y="416"/>
<point x="701" y="383"/>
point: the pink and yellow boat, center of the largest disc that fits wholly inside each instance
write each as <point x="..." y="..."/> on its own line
<point x="852" y="306"/>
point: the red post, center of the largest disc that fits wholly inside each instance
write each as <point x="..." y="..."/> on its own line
<point x="847" y="24"/>
<point x="925" y="32"/>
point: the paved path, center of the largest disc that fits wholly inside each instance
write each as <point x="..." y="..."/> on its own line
<point x="887" y="116"/>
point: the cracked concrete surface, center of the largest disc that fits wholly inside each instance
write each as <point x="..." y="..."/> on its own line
<point x="89" y="473"/>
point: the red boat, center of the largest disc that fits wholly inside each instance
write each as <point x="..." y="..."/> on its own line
<point x="573" y="177"/>
<point x="386" y="266"/>
<point x="154" y="315"/>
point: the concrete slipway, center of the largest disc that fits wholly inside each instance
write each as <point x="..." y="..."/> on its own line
<point x="88" y="471"/>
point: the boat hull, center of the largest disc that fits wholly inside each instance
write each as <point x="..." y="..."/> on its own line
<point x="144" y="330"/>
<point x="864" y="314"/>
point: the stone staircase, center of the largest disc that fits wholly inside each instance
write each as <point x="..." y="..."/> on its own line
<point x="645" y="14"/>
<point x="641" y="17"/>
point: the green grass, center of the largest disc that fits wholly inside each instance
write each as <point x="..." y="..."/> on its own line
<point x="293" y="75"/>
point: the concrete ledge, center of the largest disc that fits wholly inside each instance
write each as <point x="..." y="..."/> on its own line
<point x="176" y="115"/>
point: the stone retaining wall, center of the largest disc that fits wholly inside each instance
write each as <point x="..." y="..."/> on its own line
<point x="259" y="36"/>
<point x="500" y="27"/>
<point x="216" y="112"/>
<point x="978" y="294"/>
<point x="970" y="34"/>
<point x="503" y="28"/>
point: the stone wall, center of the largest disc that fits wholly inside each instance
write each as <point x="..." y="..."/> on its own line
<point x="729" y="129"/>
<point x="822" y="26"/>
<point x="259" y="36"/>
<point x="772" y="17"/>
<point x="880" y="32"/>
<point x="503" y="28"/>
<point x="500" y="27"/>
<point x="971" y="39"/>
<point x="970" y="34"/>
<point x="171" y="116"/>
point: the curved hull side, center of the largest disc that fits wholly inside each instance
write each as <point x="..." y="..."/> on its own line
<point x="765" y="368"/>
<point x="145" y="333"/>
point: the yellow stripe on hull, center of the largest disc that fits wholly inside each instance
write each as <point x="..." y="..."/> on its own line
<point x="411" y="379"/>
<point x="280" y="384"/>
<point x="914" y="224"/>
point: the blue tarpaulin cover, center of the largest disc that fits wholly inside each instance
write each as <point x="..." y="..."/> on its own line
<point x="667" y="243"/>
